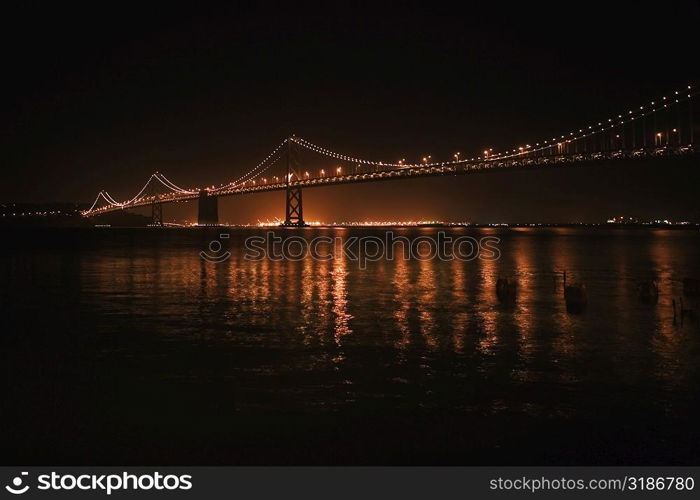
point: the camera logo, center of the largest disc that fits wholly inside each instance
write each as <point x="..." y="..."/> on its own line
<point x="16" y="487"/>
<point x="216" y="256"/>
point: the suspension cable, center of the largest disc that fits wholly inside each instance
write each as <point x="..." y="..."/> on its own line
<point x="255" y="169"/>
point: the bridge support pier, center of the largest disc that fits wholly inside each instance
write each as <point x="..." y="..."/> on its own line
<point x="208" y="209"/>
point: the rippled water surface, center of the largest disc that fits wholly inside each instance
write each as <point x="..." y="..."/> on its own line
<point x="124" y="346"/>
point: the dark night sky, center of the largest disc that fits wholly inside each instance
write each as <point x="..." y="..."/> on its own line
<point x="99" y="97"/>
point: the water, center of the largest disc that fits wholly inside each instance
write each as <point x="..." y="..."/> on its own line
<point x="124" y="346"/>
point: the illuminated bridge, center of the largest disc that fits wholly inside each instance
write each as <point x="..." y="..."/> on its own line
<point x="662" y="128"/>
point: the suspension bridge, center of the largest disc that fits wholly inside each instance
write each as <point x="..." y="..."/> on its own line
<point x="661" y="128"/>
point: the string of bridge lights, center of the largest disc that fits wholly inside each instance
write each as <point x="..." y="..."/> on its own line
<point x="254" y="180"/>
<point x="611" y="123"/>
<point x="157" y="176"/>
<point x="250" y="177"/>
<point x="271" y="159"/>
<point x="588" y="131"/>
<point x="170" y="184"/>
<point x="101" y="194"/>
<point x="109" y="198"/>
<point x="254" y="171"/>
<point x="339" y="156"/>
<point x="160" y="178"/>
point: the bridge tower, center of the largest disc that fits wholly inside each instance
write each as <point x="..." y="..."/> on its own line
<point x="208" y="209"/>
<point x="157" y="212"/>
<point x="157" y="205"/>
<point x="294" y="213"/>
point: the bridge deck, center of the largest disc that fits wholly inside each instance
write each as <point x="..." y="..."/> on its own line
<point x="521" y="162"/>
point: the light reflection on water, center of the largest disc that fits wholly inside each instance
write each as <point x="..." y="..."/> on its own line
<point x="327" y="336"/>
<point x="428" y="306"/>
